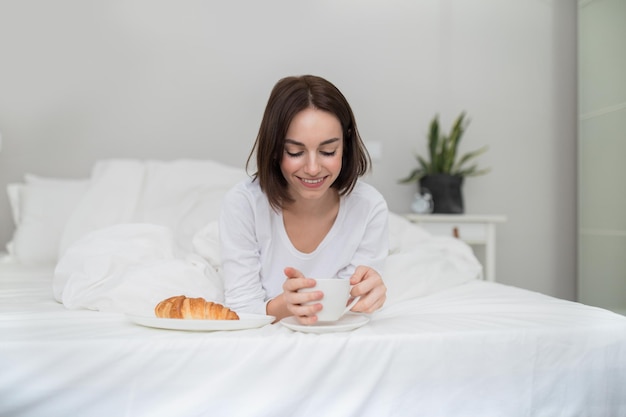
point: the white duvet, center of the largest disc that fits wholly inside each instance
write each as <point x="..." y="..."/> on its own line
<point x="147" y="230"/>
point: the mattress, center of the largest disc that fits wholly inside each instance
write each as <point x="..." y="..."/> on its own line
<point x="472" y="349"/>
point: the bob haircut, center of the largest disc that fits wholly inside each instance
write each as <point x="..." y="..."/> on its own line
<point x="290" y="96"/>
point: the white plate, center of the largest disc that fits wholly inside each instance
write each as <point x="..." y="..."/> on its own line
<point x="246" y="321"/>
<point x="350" y="321"/>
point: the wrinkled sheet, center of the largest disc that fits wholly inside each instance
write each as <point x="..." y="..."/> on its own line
<point x="473" y="349"/>
<point x="129" y="268"/>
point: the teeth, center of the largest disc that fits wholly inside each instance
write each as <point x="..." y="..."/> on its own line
<point x="312" y="181"/>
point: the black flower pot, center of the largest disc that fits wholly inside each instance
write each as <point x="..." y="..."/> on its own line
<point x="446" y="192"/>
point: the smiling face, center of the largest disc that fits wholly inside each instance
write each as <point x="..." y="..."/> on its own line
<point x="312" y="156"/>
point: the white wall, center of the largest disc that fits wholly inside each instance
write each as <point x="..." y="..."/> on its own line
<point x="84" y="80"/>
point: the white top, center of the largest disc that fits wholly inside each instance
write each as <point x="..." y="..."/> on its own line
<point x="256" y="248"/>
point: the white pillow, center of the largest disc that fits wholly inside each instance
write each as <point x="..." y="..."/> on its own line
<point x="13" y="191"/>
<point x="43" y="207"/>
<point x="404" y="233"/>
<point x="53" y="181"/>
<point x="434" y="265"/>
<point x="420" y="263"/>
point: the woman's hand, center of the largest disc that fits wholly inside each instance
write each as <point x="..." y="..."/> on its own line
<point x="291" y="302"/>
<point x="368" y="284"/>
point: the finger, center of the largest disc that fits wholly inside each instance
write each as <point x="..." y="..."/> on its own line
<point x="301" y="303"/>
<point x="303" y="297"/>
<point x="306" y="310"/>
<point x="371" y="281"/>
<point x="362" y="288"/>
<point x="359" y="274"/>
<point x="371" y="301"/>
<point x="291" y="272"/>
<point x="295" y="284"/>
<point x="368" y="306"/>
<point x="376" y="306"/>
<point x="306" y="320"/>
<point x="296" y="280"/>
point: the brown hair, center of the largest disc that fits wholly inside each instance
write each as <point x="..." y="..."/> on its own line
<point x="290" y="96"/>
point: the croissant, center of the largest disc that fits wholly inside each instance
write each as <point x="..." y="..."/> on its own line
<point x="182" y="307"/>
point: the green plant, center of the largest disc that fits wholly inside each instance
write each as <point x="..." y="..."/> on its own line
<point x="442" y="150"/>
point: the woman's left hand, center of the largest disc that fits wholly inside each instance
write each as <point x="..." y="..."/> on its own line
<point x="368" y="284"/>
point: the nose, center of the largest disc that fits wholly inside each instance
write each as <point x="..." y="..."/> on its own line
<point x="312" y="166"/>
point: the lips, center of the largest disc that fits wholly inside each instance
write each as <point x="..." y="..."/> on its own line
<point x="312" y="182"/>
<point x="316" y="181"/>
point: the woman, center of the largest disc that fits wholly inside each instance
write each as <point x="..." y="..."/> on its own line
<point x="304" y="214"/>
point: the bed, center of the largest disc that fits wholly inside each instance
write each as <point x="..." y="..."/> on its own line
<point x="445" y="344"/>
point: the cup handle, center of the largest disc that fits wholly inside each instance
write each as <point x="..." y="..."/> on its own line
<point x="356" y="300"/>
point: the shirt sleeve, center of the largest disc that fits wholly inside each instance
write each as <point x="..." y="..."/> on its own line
<point x="373" y="246"/>
<point x="241" y="264"/>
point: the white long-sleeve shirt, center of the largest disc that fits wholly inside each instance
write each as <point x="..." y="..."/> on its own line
<point x="256" y="248"/>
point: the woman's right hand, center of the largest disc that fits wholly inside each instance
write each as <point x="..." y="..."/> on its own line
<point x="291" y="302"/>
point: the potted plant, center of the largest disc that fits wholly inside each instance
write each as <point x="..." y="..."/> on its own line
<point x="442" y="175"/>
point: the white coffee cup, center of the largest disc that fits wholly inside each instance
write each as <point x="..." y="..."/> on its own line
<point x="336" y="294"/>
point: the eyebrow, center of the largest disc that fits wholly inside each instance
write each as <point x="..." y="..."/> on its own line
<point x="326" y="142"/>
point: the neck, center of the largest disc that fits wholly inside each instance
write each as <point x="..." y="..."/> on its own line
<point x="318" y="207"/>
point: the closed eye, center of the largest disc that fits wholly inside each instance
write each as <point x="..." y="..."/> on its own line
<point x="291" y="142"/>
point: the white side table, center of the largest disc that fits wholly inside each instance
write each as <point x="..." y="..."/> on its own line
<point x="474" y="229"/>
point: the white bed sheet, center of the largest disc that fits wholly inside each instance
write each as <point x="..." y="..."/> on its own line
<point x="477" y="349"/>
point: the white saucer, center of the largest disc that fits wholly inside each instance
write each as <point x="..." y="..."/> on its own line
<point x="350" y="321"/>
<point x="246" y="321"/>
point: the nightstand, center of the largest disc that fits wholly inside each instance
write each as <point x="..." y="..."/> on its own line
<point x="474" y="229"/>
